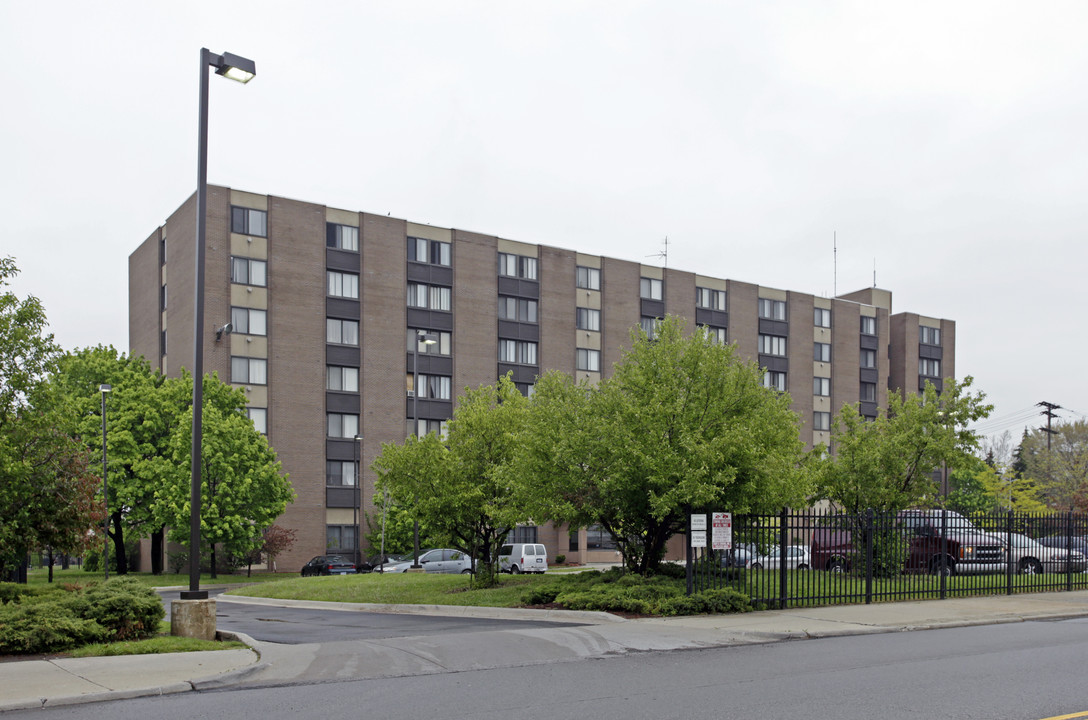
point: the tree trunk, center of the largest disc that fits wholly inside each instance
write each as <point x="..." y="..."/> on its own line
<point x="50" y="551"/>
<point x="156" y="551"/>
<point x="118" y="536"/>
<point x="213" y="561"/>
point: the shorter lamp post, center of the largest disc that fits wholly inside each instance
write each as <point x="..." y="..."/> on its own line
<point x="424" y="338"/>
<point x="104" y="388"/>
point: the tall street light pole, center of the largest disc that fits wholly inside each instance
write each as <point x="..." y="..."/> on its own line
<point x="105" y="485"/>
<point x="424" y="338"/>
<point x="242" y="70"/>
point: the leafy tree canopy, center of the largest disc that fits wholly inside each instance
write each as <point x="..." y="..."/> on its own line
<point x="681" y="423"/>
<point x="1060" y="466"/>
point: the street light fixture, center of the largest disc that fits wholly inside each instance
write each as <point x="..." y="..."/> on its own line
<point x="242" y="70"/>
<point x="424" y="338"/>
<point x="104" y="388"/>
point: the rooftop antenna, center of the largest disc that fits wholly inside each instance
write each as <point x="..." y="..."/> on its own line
<point x="874" y="272"/>
<point x="835" y="255"/>
<point x="664" y="254"/>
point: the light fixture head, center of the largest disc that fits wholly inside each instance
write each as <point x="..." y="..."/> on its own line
<point x="235" y="67"/>
<point x="427" y="338"/>
<point x="104" y="388"/>
<point x="225" y="330"/>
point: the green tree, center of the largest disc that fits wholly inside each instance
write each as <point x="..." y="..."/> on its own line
<point x="139" y="425"/>
<point x="242" y="487"/>
<point x="888" y="464"/>
<point x="458" y="487"/>
<point x="1060" y="465"/>
<point x="682" y="423"/>
<point x="46" y="489"/>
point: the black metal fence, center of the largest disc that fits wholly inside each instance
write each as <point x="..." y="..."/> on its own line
<point x="799" y="559"/>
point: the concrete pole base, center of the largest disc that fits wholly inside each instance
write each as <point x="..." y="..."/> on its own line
<point x="411" y="569"/>
<point x="193" y="618"/>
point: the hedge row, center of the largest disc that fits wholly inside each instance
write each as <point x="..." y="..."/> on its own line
<point x="611" y="591"/>
<point x="41" y="620"/>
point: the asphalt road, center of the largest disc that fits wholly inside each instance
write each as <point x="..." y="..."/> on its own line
<point x="1019" y="671"/>
<point x="292" y="626"/>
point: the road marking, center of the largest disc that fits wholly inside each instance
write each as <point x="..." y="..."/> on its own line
<point x="1067" y="717"/>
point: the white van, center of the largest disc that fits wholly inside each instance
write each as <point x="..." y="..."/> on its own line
<point x="523" y="557"/>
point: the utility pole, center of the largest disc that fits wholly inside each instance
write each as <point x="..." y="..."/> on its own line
<point x="1048" y="410"/>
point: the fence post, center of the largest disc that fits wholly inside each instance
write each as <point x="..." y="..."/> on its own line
<point x="1008" y="553"/>
<point x="1068" y="549"/>
<point x="942" y="545"/>
<point x="783" y="538"/>
<point x="869" y="516"/>
<point x="687" y="551"/>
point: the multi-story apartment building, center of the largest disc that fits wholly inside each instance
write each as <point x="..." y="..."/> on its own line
<point x="328" y="306"/>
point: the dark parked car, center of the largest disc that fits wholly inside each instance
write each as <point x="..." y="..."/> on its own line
<point x="328" y="565"/>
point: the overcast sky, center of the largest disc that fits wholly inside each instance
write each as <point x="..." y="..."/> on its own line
<point x="943" y="144"/>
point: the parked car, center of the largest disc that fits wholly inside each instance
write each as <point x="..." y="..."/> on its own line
<point x="1033" y="558"/>
<point x="948" y="545"/>
<point x="328" y="565"/>
<point x="374" y="562"/>
<point x="797" y="557"/>
<point x="517" y="558"/>
<point x="440" y="560"/>
<point x="740" y="556"/>
<point x="1075" y="542"/>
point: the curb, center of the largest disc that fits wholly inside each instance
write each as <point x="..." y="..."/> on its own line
<point x="103" y="696"/>
<point x="588" y="617"/>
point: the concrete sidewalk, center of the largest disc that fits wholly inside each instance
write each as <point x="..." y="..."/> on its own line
<point x="37" y="683"/>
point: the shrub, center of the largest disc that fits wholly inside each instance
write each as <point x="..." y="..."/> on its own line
<point x="541" y="595"/>
<point x="124" y="606"/>
<point x="560" y="559"/>
<point x="38" y="627"/>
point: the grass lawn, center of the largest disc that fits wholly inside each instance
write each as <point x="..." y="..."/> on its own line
<point x="40" y="576"/>
<point x="164" y="642"/>
<point x="399" y="588"/>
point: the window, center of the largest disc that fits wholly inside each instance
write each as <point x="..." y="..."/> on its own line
<point x="249" y="321"/>
<point x="339" y="538"/>
<point x="929" y="368"/>
<point x="597" y="538"/>
<point x="433" y="252"/>
<point x="821" y="420"/>
<point x="930" y="335"/>
<point x="517" y="351"/>
<point x="868" y="325"/>
<point x="259" y="416"/>
<point x="248" y="221"/>
<point x="774" y="380"/>
<point x="163" y="348"/>
<point x="249" y="371"/>
<point x="772" y="309"/>
<point x="526" y="389"/>
<point x="430" y="297"/>
<point x="772" y="345"/>
<point x="342" y="284"/>
<point x="343" y="425"/>
<point x="589" y="360"/>
<point x="341" y="332"/>
<point x="649" y="326"/>
<point x="344" y="379"/>
<point x="339" y="472"/>
<point x="520" y="266"/>
<point x="342" y="237"/>
<point x="431" y="387"/>
<point x="868" y="392"/>
<point x="649" y="288"/>
<point x="588" y="278"/>
<point x="588" y="319"/>
<point x="717" y="334"/>
<point x="423" y="427"/>
<point x="247" y="271"/>
<point x="867" y="358"/>
<point x="518" y="309"/>
<point x="821" y="352"/>
<point x="821" y="386"/>
<point x="162" y="298"/>
<point x="707" y="298"/>
<point x="442" y="347"/>
<point x="822" y="317"/>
